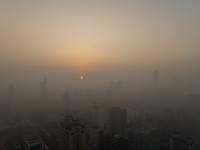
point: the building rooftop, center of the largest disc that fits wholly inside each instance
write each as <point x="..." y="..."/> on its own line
<point x="33" y="142"/>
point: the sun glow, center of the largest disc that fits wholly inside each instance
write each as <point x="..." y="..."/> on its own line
<point x="80" y="56"/>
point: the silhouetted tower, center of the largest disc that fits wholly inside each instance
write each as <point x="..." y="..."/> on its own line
<point x="10" y="92"/>
<point x="43" y="92"/>
<point x="118" y="121"/>
<point x="98" y="115"/>
<point x="96" y="138"/>
<point x="155" y="77"/>
<point x="66" y="97"/>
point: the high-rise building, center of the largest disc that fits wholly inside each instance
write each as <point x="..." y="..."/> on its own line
<point x="32" y="142"/>
<point x="96" y="138"/>
<point x="98" y="115"/>
<point x="118" y="121"/>
<point x="155" y="77"/>
<point x="66" y="97"/>
<point x="43" y="92"/>
<point x="72" y="134"/>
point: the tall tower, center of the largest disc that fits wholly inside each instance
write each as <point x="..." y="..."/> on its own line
<point x="98" y="115"/>
<point x="118" y="121"/>
<point x="43" y="92"/>
<point x="72" y="134"/>
<point x="155" y="77"/>
<point x="96" y="138"/>
<point x="66" y="97"/>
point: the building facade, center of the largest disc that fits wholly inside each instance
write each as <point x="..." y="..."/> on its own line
<point x="118" y="121"/>
<point x="98" y="115"/>
<point x="96" y="138"/>
<point x="72" y="134"/>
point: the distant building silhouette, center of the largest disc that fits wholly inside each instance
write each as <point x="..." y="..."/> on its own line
<point x="66" y="97"/>
<point x="155" y="77"/>
<point x="98" y="115"/>
<point x="72" y="135"/>
<point x="43" y="92"/>
<point x="118" y="121"/>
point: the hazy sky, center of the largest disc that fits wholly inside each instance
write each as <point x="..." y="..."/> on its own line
<point x="88" y="36"/>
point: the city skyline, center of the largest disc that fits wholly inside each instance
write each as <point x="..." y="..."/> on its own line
<point x="99" y="75"/>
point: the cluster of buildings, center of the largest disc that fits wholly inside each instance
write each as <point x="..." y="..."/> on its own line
<point x="73" y="133"/>
<point x="111" y="129"/>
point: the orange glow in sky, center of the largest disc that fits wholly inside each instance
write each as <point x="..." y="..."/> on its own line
<point x="96" y="35"/>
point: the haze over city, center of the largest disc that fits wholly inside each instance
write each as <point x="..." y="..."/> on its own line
<point x="72" y="56"/>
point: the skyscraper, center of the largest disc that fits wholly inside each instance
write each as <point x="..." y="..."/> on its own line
<point x="72" y="134"/>
<point x="66" y="97"/>
<point x="43" y="92"/>
<point x="118" y="121"/>
<point x="98" y="115"/>
<point x="96" y="138"/>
